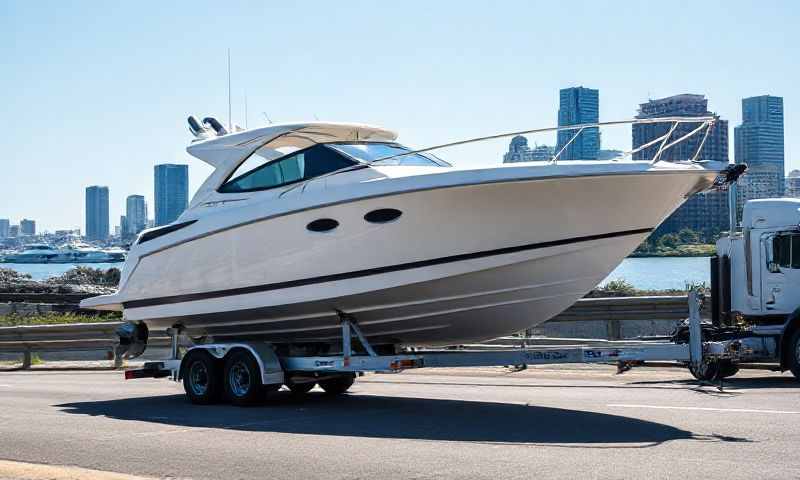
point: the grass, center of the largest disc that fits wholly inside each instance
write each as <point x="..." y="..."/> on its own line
<point x="689" y="250"/>
<point x="54" y="318"/>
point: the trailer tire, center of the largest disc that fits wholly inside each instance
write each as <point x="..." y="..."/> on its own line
<point x="727" y="369"/>
<point x="337" y="385"/>
<point x="794" y="354"/>
<point x="714" y="370"/>
<point x="202" y="377"/>
<point x="243" y="379"/>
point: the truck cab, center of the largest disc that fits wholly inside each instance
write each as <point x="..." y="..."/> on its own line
<point x="755" y="282"/>
<point x="758" y="269"/>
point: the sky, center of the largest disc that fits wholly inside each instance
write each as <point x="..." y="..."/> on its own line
<point x="98" y="92"/>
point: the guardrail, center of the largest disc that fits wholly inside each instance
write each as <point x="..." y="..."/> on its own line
<point x="101" y="336"/>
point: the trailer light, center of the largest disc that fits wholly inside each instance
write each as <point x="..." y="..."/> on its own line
<point x="406" y="363"/>
<point x="129" y="375"/>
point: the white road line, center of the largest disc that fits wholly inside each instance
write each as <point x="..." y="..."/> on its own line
<point x="4" y="385"/>
<point x="703" y="409"/>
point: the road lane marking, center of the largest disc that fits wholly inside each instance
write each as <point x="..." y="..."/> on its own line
<point x="703" y="409"/>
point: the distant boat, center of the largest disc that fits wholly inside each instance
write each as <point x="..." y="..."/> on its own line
<point x="73" y="253"/>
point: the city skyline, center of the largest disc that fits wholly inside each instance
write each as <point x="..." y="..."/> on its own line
<point x="483" y="72"/>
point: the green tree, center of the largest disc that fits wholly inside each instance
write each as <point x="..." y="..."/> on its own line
<point x="688" y="236"/>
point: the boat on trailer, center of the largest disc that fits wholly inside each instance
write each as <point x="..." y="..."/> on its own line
<point x="303" y="224"/>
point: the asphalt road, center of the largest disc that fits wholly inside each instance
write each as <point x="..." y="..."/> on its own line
<point x="581" y="422"/>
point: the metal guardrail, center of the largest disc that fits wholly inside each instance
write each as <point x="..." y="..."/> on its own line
<point x="101" y="336"/>
<point x="98" y="336"/>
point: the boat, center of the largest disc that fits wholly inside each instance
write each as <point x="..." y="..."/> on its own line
<point x="76" y="253"/>
<point x="34" y="253"/>
<point x="303" y="224"/>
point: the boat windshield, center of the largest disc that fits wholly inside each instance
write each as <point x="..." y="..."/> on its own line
<point x="370" y="152"/>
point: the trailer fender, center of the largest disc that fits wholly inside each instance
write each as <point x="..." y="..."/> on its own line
<point x="268" y="363"/>
<point x="791" y="326"/>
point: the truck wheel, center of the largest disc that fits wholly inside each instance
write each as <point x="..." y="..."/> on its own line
<point x="243" y="379"/>
<point x="202" y="378"/>
<point x="794" y="354"/>
<point x="299" y="389"/>
<point x="337" y="385"/>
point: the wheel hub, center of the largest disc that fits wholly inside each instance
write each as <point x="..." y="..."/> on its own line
<point x="198" y="376"/>
<point x="239" y="379"/>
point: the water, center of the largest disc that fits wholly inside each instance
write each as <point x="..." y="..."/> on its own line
<point x="662" y="273"/>
<point x="44" y="271"/>
<point x="643" y="273"/>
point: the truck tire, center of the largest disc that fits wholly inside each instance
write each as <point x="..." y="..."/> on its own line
<point x="202" y="377"/>
<point x="794" y="354"/>
<point x="243" y="379"/>
<point x="337" y="385"/>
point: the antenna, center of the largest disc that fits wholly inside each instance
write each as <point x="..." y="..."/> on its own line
<point x="245" y="109"/>
<point x="230" y="128"/>
<point x="267" y="117"/>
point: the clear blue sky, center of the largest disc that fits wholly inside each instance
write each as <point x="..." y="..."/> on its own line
<point x="98" y="92"/>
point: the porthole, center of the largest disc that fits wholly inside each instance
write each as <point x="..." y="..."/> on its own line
<point x="383" y="215"/>
<point x="322" y="225"/>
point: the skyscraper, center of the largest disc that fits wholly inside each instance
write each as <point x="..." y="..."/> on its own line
<point x="705" y="212"/>
<point x="96" y="213"/>
<point x="135" y="215"/>
<point x="578" y="105"/>
<point x="5" y="225"/>
<point x="758" y="142"/>
<point x="792" y="186"/>
<point x="519" y="151"/>
<point x="171" y="192"/>
<point x="27" y="227"/>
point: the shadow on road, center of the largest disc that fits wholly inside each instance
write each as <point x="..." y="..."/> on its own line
<point x="395" y="417"/>
<point x="771" y="381"/>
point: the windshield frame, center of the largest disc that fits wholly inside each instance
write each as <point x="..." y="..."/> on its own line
<point x="408" y="152"/>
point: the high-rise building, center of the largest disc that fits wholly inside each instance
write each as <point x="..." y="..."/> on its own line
<point x="5" y="225"/>
<point x="135" y="215"/>
<point x="758" y="142"/>
<point x="13" y="231"/>
<point x="122" y="229"/>
<point x="578" y="105"/>
<point x="27" y="227"/>
<point x="706" y="212"/>
<point x="519" y="151"/>
<point x="792" y="184"/>
<point x="97" y="213"/>
<point x="171" y="192"/>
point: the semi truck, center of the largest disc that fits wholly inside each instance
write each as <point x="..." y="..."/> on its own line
<point x="755" y="290"/>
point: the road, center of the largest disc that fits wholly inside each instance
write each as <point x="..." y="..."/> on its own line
<point x="577" y="422"/>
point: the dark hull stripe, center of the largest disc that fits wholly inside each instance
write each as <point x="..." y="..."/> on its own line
<point x="190" y="297"/>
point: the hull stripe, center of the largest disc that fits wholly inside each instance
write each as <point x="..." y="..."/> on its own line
<point x="190" y="297"/>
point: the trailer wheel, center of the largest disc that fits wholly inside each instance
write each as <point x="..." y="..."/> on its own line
<point x="202" y="377"/>
<point x="713" y="370"/>
<point x="337" y="385"/>
<point x="243" y="379"/>
<point x="794" y="354"/>
<point x="727" y="369"/>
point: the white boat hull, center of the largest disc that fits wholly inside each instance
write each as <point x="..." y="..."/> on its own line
<point x="462" y="263"/>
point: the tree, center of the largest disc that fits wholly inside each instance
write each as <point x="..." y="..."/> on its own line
<point x="688" y="236"/>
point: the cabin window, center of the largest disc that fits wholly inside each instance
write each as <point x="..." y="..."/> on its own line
<point x="302" y="165"/>
<point x="786" y="251"/>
